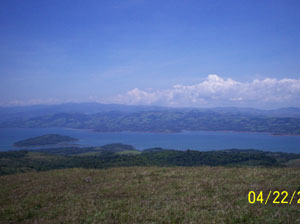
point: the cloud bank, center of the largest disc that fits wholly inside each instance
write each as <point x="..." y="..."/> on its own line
<point x="217" y="91"/>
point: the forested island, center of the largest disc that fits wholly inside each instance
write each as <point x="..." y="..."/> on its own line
<point x="50" y="139"/>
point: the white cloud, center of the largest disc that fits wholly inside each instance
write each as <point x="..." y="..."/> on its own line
<point x="216" y="91"/>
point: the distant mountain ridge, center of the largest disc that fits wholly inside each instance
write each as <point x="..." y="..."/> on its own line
<point x="163" y="121"/>
<point x="112" y="118"/>
<point x="26" y="112"/>
<point x="92" y="108"/>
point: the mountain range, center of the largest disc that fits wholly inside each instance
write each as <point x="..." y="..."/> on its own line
<point x="114" y="117"/>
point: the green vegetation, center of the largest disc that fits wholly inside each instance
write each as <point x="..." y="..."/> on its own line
<point x="151" y="186"/>
<point x="119" y="155"/>
<point x="148" y="195"/>
<point x="165" y="121"/>
<point x="50" y="139"/>
<point x="293" y="163"/>
<point x="129" y="152"/>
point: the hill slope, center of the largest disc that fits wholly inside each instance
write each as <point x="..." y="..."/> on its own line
<point x="163" y="121"/>
<point x="148" y="195"/>
<point x="120" y="155"/>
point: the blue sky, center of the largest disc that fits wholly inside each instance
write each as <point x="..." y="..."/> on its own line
<point x="173" y="53"/>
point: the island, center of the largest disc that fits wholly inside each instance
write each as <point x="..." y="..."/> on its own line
<point x="50" y="139"/>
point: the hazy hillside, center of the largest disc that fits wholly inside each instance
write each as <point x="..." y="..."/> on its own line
<point x="92" y="108"/>
<point x="25" y="112"/>
<point x="174" y="120"/>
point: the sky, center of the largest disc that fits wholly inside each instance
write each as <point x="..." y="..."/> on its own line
<point x="183" y="53"/>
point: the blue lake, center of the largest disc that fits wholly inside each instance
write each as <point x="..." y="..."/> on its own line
<point x="197" y="140"/>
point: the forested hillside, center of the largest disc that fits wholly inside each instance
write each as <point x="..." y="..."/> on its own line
<point x="119" y="155"/>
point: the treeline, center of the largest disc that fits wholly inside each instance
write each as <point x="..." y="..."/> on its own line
<point x="47" y="159"/>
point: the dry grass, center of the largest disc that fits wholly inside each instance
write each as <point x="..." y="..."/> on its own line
<point x="147" y="195"/>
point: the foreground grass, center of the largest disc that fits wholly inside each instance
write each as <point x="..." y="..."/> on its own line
<point x="147" y="195"/>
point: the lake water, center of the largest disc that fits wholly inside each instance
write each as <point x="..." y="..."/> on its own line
<point x="197" y="140"/>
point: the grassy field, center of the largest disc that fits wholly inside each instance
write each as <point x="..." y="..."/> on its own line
<point x="148" y="195"/>
<point x="129" y="152"/>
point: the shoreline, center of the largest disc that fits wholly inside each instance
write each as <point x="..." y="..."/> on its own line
<point x="194" y="139"/>
<point x="157" y="132"/>
<point x="182" y="131"/>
